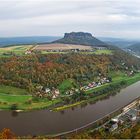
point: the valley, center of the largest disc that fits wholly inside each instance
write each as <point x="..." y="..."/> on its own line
<point x="60" y="76"/>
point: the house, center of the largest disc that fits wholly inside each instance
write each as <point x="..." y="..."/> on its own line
<point x="75" y="50"/>
<point x="55" y="93"/>
<point x="114" y="126"/>
<point x="76" y="90"/>
<point x="28" y="52"/>
<point x="38" y="94"/>
<point x="111" y="126"/>
<point x="47" y="90"/>
<point x="99" y="84"/>
<point x="39" y="87"/>
<point x="132" y="114"/>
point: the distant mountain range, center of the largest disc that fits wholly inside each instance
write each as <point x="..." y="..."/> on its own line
<point x="135" y="48"/>
<point x="26" y="40"/>
<point x="81" y="38"/>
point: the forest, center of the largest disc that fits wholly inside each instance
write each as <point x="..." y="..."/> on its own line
<point x="50" y="70"/>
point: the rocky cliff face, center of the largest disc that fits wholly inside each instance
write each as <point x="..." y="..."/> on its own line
<point x="80" y="38"/>
<point x="78" y="35"/>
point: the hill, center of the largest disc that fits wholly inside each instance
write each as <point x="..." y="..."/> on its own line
<point x="26" y="40"/>
<point x="119" y="42"/>
<point x="81" y="38"/>
<point x="135" y="48"/>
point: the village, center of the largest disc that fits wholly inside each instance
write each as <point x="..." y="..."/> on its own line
<point x="54" y="93"/>
<point x="129" y="116"/>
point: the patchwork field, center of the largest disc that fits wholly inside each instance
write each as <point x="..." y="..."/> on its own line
<point x="20" y="49"/>
<point x="44" y="49"/>
<point x="58" y="46"/>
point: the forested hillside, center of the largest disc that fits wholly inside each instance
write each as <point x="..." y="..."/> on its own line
<point x="135" y="48"/>
<point x="51" y="70"/>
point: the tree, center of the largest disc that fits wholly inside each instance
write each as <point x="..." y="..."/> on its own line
<point x="7" y="134"/>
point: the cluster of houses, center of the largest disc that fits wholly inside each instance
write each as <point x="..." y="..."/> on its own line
<point x="28" y="52"/>
<point x="54" y="93"/>
<point x="129" y="116"/>
<point x="47" y="92"/>
<point x="96" y="84"/>
<point x="130" y="72"/>
<point x="72" y="91"/>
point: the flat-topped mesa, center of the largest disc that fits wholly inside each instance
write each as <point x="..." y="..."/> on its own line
<point x="78" y="35"/>
<point x="81" y="38"/>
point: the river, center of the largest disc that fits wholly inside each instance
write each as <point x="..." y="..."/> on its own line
<point x="46" y="122"/>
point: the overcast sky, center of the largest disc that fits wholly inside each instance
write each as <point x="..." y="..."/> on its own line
<point x="108" y="18"/>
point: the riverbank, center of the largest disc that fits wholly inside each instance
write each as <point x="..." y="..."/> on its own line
<point x="69" y="120"/>
<point x="103" y="129"/>
<point x="128" y="80"/>
<point x="27" y="102"/>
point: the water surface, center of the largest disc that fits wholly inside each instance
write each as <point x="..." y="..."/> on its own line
<point x="45" y="122"/>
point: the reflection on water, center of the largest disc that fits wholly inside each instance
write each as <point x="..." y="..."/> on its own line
<point x="14" y="113"/>
<point x="83" y="105"/>
<point x="62" y="111"/>
<point x="72" y="108"/>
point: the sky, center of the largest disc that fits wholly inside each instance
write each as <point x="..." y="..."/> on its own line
<point x="106" y="18"/>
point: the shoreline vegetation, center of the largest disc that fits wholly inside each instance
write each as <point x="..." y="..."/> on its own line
<point x="125" y="83"/>
<point x="13" y="99"/>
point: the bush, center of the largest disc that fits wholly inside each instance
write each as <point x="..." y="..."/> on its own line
<point x="28" y="101"/>
<point x="14" y="107"/>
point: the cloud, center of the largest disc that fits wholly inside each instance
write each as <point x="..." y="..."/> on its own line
<point x="118" y="18"/>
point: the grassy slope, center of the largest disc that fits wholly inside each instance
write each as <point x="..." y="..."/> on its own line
<point x="19" y="50"/>
<point x="67" y="84"/>
<point x="12" y="90"/>
<point x="6" y="101"/>
<point x="97" y="52"/>
<point x="129" y="80"/>
<point x="12" y="95"/>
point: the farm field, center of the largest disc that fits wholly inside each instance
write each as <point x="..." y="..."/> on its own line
<point x="99" y="52"/>
<point x="18" y="50"/>
<point x="21" y="49"/>
<point x="59" y="46"/>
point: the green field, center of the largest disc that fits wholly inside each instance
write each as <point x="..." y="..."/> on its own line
<point x="12" y="90"/>
<point x="66" y="85"/>
<point x="12" y="95"/>
<point x="24" y="102"/>
<point x="18" y="50"/>
<point x="97" y="52"/>
<point x="103" y="52"/>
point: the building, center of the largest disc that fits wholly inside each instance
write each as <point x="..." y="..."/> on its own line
<point x="132" y="114"/>
<point x="111" y="126"/>
<point x="55" y="93"/>
<point x="47" y="90"/>
<point x="28" y="52"/>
